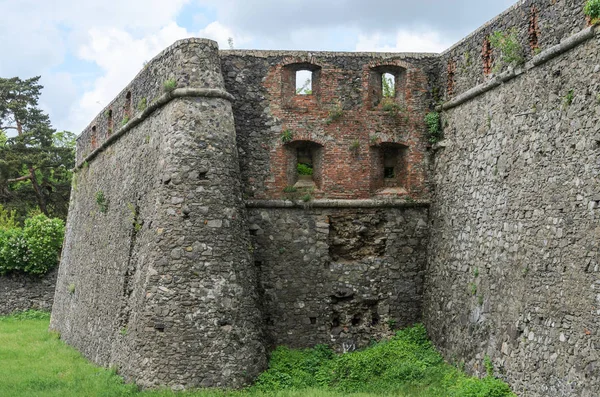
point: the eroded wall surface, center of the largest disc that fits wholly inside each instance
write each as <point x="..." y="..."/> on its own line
<point x="513" y="270"/>
<point x="341" y="277"/>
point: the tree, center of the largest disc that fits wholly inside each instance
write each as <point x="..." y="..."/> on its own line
<point x="35" y="160"/>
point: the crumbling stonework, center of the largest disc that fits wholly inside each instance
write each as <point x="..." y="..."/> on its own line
<point x="212" y="248"/>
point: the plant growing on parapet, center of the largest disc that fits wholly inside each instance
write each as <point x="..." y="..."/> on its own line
<point x="169" y="85"/>
<point x="434" y="129"/>
<point x="290" y="189"/>
<point x="335" y="113"/>
<point x="592" y="10"/>
<point x="373" y="139"/>
<point x="101" y="201"/>
<point x="125" y="120"/>
<point x="306" y="198"/>
<point x="304" y="169"/>
<point x="507" y="44"/>
<point x="142" y="104"/>
<point x="71" y="288"/>
<point x="354" y="146"/>
<point x="287" y="136"/>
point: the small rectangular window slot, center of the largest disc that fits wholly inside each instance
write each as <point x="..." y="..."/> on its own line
<point x="313" y="320"/>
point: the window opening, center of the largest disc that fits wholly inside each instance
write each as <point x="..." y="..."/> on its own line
<point x="304" y="166"/>
<point x="128" y="105"/>
<point x="304" y="79"/>
<point x="110" y="122"/>
<point x="388" y="85"/>
<point x="390" y="161"/>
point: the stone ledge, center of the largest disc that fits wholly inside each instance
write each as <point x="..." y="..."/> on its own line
<point x="326" y="54"/>
<point x="337" y="203"/>
<point x="161" y="101"/>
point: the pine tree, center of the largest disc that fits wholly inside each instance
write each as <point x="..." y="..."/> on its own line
<point x="35" y="161"/>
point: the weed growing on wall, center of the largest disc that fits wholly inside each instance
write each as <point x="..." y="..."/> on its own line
<point x="592" y="10"/>
<point x="287" y="136"/>
<point x="335" y="113"/>
<point x="568" y="99"/>
<point x="508" y="46"/>
<point x="434" y="129"/>
<point x="142" y="104"/>
<point x="169" y="85"/>
<point x="125" y="120"/>
<point x="101" y="201"/>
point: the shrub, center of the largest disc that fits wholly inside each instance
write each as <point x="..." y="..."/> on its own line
<point x="33" y="249"/>
<point x="434" y="130"/>
<point x="592" y="10"/>
<point x="43" y="237"/>
<point x="507" y="44"/>
<point x="304" y="169"/>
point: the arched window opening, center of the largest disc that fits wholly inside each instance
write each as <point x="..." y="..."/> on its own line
<point x="304" y="164"/>
<point x="387" y="86"/>
<point x="304" y="82"/>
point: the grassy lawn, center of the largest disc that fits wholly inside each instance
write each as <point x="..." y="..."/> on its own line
<point x="34" y="362"/>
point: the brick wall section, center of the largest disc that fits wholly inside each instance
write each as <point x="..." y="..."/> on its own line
<point x="266" y="106"/>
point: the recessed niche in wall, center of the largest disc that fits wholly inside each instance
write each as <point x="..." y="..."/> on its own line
<point x="304" y="164"/>
<point x="387" y="85"/>
<point x="389" y="166"/>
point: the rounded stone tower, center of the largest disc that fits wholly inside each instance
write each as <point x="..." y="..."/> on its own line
<point x="159" y="280"/>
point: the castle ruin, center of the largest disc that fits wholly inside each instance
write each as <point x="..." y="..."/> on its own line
<point x="193" y="245"/>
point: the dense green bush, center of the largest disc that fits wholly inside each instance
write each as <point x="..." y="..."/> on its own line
<point x="304" y="169"/>
<point x="592" y="10"/>
<point x="33" y="249"/>
<point x="406" y="364"/>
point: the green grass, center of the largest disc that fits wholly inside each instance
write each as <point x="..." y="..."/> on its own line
<point x="34" y="362"/>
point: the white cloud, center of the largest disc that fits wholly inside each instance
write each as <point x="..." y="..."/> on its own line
<point x="220" y="33"/>
<point x="404" y="41"/>
<point x="121" y="56"/>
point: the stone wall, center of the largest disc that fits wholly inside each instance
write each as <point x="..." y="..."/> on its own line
<point x="513" y="269"/>
<point x="20" y="292"/>
<point x="341" y="277"/>
<point x="343" y="118"/>
<point x="156" y="277"/>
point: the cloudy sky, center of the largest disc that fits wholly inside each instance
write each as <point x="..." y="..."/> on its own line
<point x="87" y="50"/>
